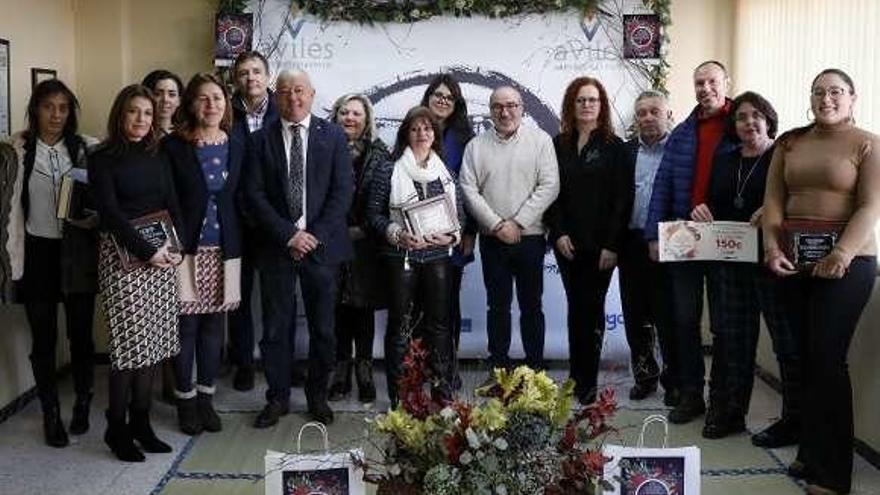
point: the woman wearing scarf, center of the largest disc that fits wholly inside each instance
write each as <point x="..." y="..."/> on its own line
<point x="417" y="267"/>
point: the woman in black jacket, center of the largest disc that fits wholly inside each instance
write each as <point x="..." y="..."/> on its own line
<point x="131" y="180"/>
<point x="54" y="260"/>
<point x="362" y="284"/>
<point x="206" y="165"/>
<point x="417" y="267"/>
<point x="587" y="221"/>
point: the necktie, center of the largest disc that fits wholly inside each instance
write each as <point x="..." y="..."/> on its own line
<point x="295" y="173"/>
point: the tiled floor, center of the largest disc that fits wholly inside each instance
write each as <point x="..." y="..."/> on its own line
<point x="27" y="466"/>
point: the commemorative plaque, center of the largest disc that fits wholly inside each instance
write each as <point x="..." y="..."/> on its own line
<point x="808" y="241"/>
<point x="156" y="229"/>
<point x="434" y="215"/>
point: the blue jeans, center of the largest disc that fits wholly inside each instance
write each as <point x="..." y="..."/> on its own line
<point x="201" y="339"/>
<point x="502" y="264"/>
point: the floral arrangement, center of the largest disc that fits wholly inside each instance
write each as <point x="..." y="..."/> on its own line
<point x="521" y="438"/>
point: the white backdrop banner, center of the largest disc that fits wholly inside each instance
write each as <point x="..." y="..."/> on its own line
<point x="393" y="63"/>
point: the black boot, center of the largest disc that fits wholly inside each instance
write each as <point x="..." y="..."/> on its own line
<point x="118" y="438"/>
<point x="53" y="427"/>
<point x="142" y="431"/>
<point x="363" y="372"/>
<point x="690" y="407"/>
<point x="341" y="386"/>
<point x="207" y="415"/>
<point x="79" y="424"/>
<point x="188" y="417"/>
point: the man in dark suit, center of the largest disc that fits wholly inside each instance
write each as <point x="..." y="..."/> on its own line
<point x="299" y="190"/>
<point x="641" y="279"/>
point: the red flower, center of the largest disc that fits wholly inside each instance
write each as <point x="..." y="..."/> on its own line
<point x="455" y="446"/>
<point x="594" y="462"/>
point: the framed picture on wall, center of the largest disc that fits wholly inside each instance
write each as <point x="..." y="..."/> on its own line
<point x="5" y="90"/>
<point x="40" y="75"/>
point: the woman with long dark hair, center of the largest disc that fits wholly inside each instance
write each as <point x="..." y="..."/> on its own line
<point x="361" y="281"/>
<point x="54" y="260"/>
<point x="131" y="179"/>
<point x="587" y="221"/>
<point x="443" y="97"/>
<point x="826" y="175"/>
<point x="206" y="160"/>
<point x="417" y="267"/>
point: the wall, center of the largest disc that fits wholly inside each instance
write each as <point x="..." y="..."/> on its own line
<point x="120" y="41"/>
<point x="40" y="34"/>
<point x="701" y="30"/>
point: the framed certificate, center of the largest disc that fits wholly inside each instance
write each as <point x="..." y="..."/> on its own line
<point x="434" y="215"/>
<point x="708" y="241"/>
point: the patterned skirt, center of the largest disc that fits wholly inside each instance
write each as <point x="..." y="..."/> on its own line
<point x="208" y="283"/>
<point x="141" y="308"/>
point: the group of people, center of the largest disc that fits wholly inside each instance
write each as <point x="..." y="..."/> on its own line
<point x="254" y="182"/>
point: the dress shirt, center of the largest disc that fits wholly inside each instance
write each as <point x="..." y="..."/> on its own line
<point x="255" y="118"/>
<point x="288" y="142"/>
<point x="647" y="162"/>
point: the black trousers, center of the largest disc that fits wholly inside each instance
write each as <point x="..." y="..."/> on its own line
<point x="826" y="313"/>
<point x="644" y="296"/>
<point x="745" y="292"/>
<point x="241" y="320"/>
<point x="428" y="282"/>
<point x="278" y="288"/>
<point x="585" y="288"/>
<point x="41" y="288"/>
<point x="43" y="320"/>
<point x="355" y="327"/>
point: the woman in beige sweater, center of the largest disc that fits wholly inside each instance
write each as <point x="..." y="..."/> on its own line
<point x="826" y="175"/>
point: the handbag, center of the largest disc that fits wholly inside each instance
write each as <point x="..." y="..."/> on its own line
<point x="314" y="473"/>
<point x="644" y="470"/>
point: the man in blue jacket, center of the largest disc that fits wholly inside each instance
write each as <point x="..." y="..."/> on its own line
<point x="681" y="184"/>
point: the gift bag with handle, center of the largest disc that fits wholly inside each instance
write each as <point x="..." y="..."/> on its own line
<point x="644" y="470"/>
<point x="313" y="473"/>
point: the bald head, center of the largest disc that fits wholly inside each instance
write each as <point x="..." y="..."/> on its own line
<point x="506" y="106"/>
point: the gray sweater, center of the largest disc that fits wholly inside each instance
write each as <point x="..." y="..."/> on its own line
<point x="510" y="179"/>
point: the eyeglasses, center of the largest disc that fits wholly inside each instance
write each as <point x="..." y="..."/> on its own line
<point x="586" y="101"/>
<point x="499" y="107"/>
<point x="834" y="92"/>
<point x="443" y="97"/>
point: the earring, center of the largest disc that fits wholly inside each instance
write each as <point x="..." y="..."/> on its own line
<point x="810" y="116"/>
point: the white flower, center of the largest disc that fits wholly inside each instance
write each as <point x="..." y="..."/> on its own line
<point x="480" y="454"/>
<point x="395" y="469"/>
<point x="500" y="443"/>
<point x="447" y="413"/>
<point x="465" y="458"/>
<point x="415" y="13"/>
<point x="472" y="438"/>
<point x="501" y="489"/>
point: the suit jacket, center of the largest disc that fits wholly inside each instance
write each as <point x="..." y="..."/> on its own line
<point x="329" y="189"/>
<point x="192" y="194"/>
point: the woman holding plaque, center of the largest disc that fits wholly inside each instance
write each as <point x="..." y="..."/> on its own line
<point x="167" y="89"/>
<point x="823" y="181"/>
<point x="444" y="99"/>
<point x="747" y="290"/>
<point x="132" y="181"/>
<point x="417" y="261"/>
<point x="52" y="259"/>
<point x="587" y="221"/>
<point x="361" y="280"/>
<point x="206" y="164"/>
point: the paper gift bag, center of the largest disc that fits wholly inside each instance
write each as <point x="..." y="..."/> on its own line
<point x="313" y="473"/>
<point x="644" y="470"/>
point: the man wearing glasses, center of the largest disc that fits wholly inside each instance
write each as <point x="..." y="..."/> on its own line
<point x="509" y="177"/>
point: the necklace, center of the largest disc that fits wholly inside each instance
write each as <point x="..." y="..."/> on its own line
<point x="218" y="138"/>
<point x="738" y="201"/>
